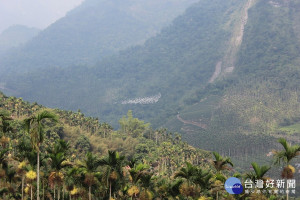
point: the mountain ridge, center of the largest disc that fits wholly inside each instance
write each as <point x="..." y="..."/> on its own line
<point x="16" y="36"/>
<point x="92" y="31"/>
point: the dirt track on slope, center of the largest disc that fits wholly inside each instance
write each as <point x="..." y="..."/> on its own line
<point x="198" y="124"/>
<point x="226" y="65"/>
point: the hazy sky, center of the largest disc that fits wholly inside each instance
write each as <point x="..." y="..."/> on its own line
<point x="33" y="13"/>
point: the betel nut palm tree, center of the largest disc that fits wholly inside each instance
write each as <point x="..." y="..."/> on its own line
<point x="286" y="155"/>
<point x="35" y="128"/>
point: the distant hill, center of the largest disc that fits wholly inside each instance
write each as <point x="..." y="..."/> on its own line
<point x="15" y="36"/>
<point x="95" y="29"/>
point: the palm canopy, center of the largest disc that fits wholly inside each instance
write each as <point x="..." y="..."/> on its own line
<point x="60" y="146"/>
<point x="90" y="164"/>
<point x="113" y="160"/>
<point x="174" y="188"/>
<point x="34" y="126"/>
<point x="202" y="178"/>
<point x="221" y="163"/>
<point x="138" y="171"/>
<point x="114" y="163"/>
<point x="259" y="172"/>
<point x="195" y="175"/>
<point x="187" y="172"/>
<point x="58" y="161"/>
<point x="287" y="154"/>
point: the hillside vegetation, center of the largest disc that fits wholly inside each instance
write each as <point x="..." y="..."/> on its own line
<point x="259" y="101"/>
<point x="56" y="154"/>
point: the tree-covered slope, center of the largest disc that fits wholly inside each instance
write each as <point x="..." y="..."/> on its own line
<point x="135" y="138"/>
<point x="259" y="101"/>
<point x="57" y="154"/>
<point x="167" y="68"/>
<point x="92" y="31"/>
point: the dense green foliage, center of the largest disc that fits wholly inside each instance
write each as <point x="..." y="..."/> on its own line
<point x="160" y="167"/>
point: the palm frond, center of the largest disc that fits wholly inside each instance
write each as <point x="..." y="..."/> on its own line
<point x="46" y="115"/>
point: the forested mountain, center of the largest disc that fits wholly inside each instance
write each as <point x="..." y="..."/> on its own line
<point x="261" y="95"/>
<point x="93" y="30"/>
<point x="170" y="66"/>
<point x="15" y="36"/>
<point x="225" y="74"/>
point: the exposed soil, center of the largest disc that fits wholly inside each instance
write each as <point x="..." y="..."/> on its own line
<point x="198" y="124"/>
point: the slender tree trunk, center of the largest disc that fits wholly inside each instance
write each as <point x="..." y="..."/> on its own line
<point x="109" y="190"/>
<point x="43" y="190"/>
<point x="31" y="192"/>
<point x="287" y="192"/>
<point x="58" y="193"/>
<point x="90" y="193"/>
<point x="54" y="192"/>
<point x="23" y="177"/>
<point x="38" y="175"/>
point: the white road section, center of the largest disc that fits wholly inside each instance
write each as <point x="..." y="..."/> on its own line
<point x="143" y="100"/>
